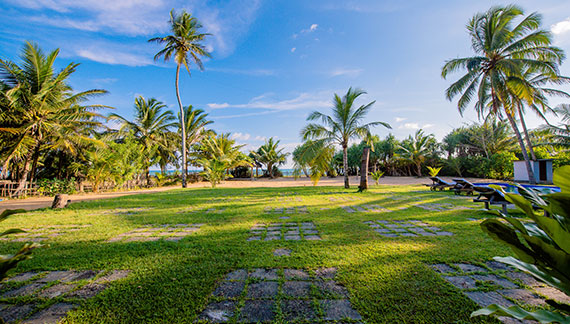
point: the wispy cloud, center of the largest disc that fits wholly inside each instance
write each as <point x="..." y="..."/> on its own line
<point x="108" y="56"/>
<point x="400" y="119"/>
<point x="301" y="101"/>
<point x="361" y="6"/>
<point x="293" y="49"/>
<point x="252" y="72"/>
<point x="415" y="126"/>
<point x="346" y="72"/>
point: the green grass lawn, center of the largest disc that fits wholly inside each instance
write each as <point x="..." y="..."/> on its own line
<point x="388" y="279"/>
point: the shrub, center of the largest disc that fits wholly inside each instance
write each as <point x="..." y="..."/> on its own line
<point x="541" y="245"/>
<point x="241" y="172"/>
<point x="433" y="171"/>
<point x="502" y="165"/>
<point x="377" y="175"/>
<point x="51" y="187"/>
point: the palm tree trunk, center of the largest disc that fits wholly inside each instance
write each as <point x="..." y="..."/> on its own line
<point x="270" y="170"/>
<point x="345" y="165"/>
<point x="24" y="178"/>
<point x="182" y="127"/>
<point x="527" y="137"/>
<point x="531" y="178"/>
<point x="364" y="168"/>
<point x="419" y="166"/>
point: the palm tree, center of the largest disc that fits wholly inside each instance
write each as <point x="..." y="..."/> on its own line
<point x="503" y="52"/>
<point x="185" y="44"/>
<point x="344" y="124"/>
<point x="151" y="127"/>
<point x="559" y="136"/>
<point x="195" y="123"/>
<point x="269" y="155"/>
<point x="316" y="157"/>
<point x="37" y="105"/>
<point x="416" y="149"/>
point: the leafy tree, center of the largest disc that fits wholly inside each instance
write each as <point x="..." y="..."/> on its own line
<point x="185" y="44"/>
<point x="345" y="123"/>
<point x="39" y="109"/>
<point x="195" y="123"/>
<point x="270" y="155"/>
<point x="541" y="245"/>
<point x="504" y="50"/>
<point x="314" y="156"/>
<point x="152" y="127"/>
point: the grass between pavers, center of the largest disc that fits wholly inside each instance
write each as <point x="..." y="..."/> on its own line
<point x="388" y="279"/>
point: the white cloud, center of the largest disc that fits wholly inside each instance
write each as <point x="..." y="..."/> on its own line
<point x="228" y="21"/>
<point x="313" y="27"/>
<point x="260" y="138"/>
<point x="293" y="50"/>
<point x="428" y="126"/>
<point x="400" y="119"/>
<point x="412" y="126"/>
<point x="301" y="101"/>
<point x="561" y="27"/>
<point x="109" y="56"/>
<point x="240" y="136"/>
<point x="346" y="72"/>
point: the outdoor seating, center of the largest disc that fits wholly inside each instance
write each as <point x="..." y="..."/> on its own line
<point x="440" y="184"/>
<point x="463" y="186"/>
<point x="490" y="196"/>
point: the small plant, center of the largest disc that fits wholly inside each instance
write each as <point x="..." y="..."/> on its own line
<point x="377" y="175"/>
<point x="543" y="252"/>
<point x="433" y="172"/>
<point x="9" y="261"/>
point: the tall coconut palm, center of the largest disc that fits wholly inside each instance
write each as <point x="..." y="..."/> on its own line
<point x="151" y="127"/>
<point x="195" y="123"/>
<point x="185" y="44"/>
<point x="38" y="104"/>
<point x="559" y="136"/>
<point x="503" y="50"/>
<point x="346" y="123"/>
<point x="270" y="155"/>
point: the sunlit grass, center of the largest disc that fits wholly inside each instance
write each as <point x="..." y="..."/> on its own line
<point x="388" y="278"/>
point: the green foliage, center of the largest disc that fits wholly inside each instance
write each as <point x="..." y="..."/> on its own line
<point x="270" y="155"/>
<point x="315" y="156"/>
<point x="502" y="165"/>
<point x="10" y="261"/>
<point x="47" y="187"/>
<point x="215" y="170"/>
<point x="433" y="171"/>
<point x="544" y="250"/>
<point x="377" y="175"/>
<point x="415" y="149"/>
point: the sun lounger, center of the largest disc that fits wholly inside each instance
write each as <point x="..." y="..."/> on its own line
<point x="462" y="185"/>
<point x="490" y="196"/>
<point x="440" y="184"/>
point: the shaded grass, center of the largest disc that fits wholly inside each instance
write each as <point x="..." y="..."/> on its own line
<point x="388" y="278"/>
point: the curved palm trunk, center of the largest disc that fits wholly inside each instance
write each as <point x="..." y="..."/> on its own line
<point x="183" y="128"/>
<point x="526" y="135"/>
<point x="419" y="168"/>
<point x="270" y="170"/>
<point x="531" y="178"/>
<point x="24" y="178"/>
<point x="345" y="165"/>
<point x="364" y="168"/>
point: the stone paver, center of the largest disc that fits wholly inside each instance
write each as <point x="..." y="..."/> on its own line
<point x="281" y="252"/>
<point x="474" y="282"/>
<point x="366" y="208"/>
<point x="154" y="233"/>
<point x="73" y="286"/>
<point x="22" y="277"/>
<point x="51" y="315"/>
<point x="291" y="231"/>
<point x="294" y="294"/>
<point x="411" y="228"/>
<point x="286" y="210"/>
<point x="44" y="233"/>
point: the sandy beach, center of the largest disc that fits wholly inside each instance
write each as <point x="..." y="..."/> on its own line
<point x="43" y="202"/>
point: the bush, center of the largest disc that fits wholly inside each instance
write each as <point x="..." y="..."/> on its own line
<point x="241" y="172"/>
<point x="194" y="177"/>
<point x="502" y="165"/>
<point x="51" y="187"/>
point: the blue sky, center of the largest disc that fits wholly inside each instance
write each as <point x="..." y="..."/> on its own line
<point x="273" y="62"/>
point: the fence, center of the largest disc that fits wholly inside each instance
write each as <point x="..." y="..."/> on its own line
<point x="7" y="188"/>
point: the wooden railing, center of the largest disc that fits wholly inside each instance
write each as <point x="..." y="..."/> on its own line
<point x="8" y="188"/>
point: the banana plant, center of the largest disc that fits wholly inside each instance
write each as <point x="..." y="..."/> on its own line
<point x="9" y="261"/>
<point x="541" y="245"/>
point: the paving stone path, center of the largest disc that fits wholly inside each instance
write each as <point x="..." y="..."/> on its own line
<point x="291" y="231"/>
<point x="42" y="233"/>
<point x="275" y="295"/>
<point x="497" y="283"/>
<point x="126" y="211"/>
<point x="410" y="228"/>
<point x="442" y="207"/>
<point x="155" y="233"/>
<point x="344" y="198"/>
<point x="69" y="288"/>
<point x="191" y="210"/>
<point x="282" y="252"/>
<point x="286" y="210"/>
<point x="366" y="208"/>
